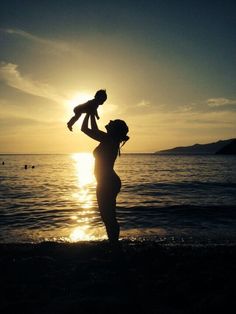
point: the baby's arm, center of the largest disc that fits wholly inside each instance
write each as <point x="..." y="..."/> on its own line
<point x="93" y="110"/>
<point x="96" y="114"/>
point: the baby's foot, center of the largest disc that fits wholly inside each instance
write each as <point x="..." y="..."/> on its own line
<point x="69" y="126"/>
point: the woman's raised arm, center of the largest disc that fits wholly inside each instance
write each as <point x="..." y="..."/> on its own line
<point x="94" y="132"/>
<point x="93" y="121"/>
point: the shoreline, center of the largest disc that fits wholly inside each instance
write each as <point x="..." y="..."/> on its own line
<point x="90" y="277"/>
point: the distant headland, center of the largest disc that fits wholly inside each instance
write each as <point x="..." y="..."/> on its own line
<point x="222" y="147"/>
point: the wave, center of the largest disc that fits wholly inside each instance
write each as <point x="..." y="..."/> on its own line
<point x="180" y="216"/>
<point x="178" y="208"/>
<point x="176" y="185"/>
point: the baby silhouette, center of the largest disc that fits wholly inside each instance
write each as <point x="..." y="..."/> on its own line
<point x="88" y="107"/>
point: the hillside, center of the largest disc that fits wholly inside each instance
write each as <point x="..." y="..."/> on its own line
<point x="228" y="149"/>
<point x="198" y="149"/>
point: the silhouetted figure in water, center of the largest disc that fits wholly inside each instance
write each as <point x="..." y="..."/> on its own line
<point x="89" y="107"/>
<point x="33" y="167"/>
<point x="26" y="166"/>
<point x="108" y="182"/>
<point x="3" y="163"/>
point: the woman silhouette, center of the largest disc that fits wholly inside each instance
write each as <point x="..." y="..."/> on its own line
<point x="108" y="182"/>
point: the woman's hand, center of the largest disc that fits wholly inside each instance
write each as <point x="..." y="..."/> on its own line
<point x="94" y="132"/>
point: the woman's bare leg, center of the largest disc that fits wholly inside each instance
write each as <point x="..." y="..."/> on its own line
<point x="113" y="230"/>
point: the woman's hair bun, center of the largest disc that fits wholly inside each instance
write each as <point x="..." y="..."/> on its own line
<point x="119" y="130"/>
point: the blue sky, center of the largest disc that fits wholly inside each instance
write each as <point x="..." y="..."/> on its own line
<point x="168" y="67"/>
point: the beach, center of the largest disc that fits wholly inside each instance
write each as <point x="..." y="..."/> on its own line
<point x="141" y="277"/>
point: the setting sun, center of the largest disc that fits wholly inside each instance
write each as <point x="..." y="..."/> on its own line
<point x="79" y="98"/>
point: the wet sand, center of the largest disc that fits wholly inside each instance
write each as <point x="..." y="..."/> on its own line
<point x="145" y="277"/>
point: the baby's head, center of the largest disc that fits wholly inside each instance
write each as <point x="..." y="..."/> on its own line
<point x="101" y="96"/>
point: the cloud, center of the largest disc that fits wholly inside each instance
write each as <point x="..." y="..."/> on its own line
<point x="210" y="105"/>
<point x="218" y="102"/>
<point x="15" y="122"/>
<point x="54" y="44"/>
<point x="201" y="115"/>
<point x="143" y="108"/>
<point x="143" y="103"/>
<point x="11" y="76"/>
<point x="210" y="119"/>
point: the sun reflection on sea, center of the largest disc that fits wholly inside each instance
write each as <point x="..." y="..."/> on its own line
<point x="86" y="233"/>
<point x="85" y="183"/>
<point x="79" y="234"/>
<point x="84" y="164"/>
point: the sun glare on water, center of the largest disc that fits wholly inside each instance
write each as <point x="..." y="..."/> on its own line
<point x="80" y="234"/>
<point x="85" y="233"/>
<point x="85" y="198"/>
<point x="84" y="164"/>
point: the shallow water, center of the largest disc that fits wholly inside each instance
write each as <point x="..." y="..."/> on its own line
<point x="180" y="198"/>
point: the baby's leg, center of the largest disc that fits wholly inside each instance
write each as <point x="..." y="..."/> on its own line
<point x="72" y="121"/>
<point x="78" y="110"/>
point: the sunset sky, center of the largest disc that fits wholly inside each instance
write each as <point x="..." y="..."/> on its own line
<point x="169" y="68"/>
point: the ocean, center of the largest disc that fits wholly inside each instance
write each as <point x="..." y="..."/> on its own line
<point x="169" y="199"/>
